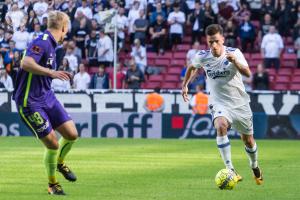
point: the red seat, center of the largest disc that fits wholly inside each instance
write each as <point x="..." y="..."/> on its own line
<point x="296" y="72"/>
<point x="281" y="86"/>
<point x="202" y="46"/>
<point x="295" y="79"/>
<point x="156" y="78"/>
<point x="289" y="56"/>
<point x="288" y="40"/>
<point x="295" y="86"/>
<point x="171" y="78"/>
<point x="152" y="85"/>
<point x="289" y="63"/>
<point x="151" y="55"/>
<point x="256" y="23"/>
<point x="256" y="56"/>
<point x="174" y="70"/>
<point x="247" y="56"/>
<point x="271" y="71"/>
<point x="151" y="62"/>
<point x="162" y="62"/>
<point x="166" y="55"/>
<point x="187" y="40"/>
<point x="282" y="79"/>
<point x="179" y="55"/>
<point x="285" y="71"/>
<point x="183" y="47"/>
<point x="93" y="70"/>
<point x="177" y="62"/>
<point x="254" y="63"/>
<point x="169" y="85"/>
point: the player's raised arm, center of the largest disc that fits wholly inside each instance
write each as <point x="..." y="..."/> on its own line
<point x="239" y="62"/>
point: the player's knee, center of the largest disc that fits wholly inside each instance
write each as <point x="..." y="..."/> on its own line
<point x="248" y="141"/>
<point x="73" y="136"/>
<point x="53" y="146"/>
<point x="221" y="126"/>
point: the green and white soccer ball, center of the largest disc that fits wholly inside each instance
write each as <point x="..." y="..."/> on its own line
<point x="226" y="179"/>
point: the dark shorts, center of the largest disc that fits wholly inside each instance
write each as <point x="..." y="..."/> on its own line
<point x="41" y="120"/>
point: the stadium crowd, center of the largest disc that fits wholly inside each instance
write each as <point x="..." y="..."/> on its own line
<point x="151" y="30"/>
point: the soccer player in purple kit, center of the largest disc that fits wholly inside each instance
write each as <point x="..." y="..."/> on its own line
<point x="37" y="104"/>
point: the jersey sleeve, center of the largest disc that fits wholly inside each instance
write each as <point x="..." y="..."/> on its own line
<point x="240" y="57"/>
<point x="197" y="60"/>
<point x="36" y="50"/>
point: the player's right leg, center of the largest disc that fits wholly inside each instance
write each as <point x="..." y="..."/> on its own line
<point x="37" y="121"/>
<point x="222" y="125"/>
<point x="50" y="160"/>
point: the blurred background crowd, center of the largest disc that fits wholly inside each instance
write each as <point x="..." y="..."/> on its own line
<point x="156" y="40"/>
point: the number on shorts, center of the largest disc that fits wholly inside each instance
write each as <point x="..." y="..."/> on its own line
<point x="36" y="118"/>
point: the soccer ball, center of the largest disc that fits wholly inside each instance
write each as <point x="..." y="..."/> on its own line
<point x="226" y="179"/>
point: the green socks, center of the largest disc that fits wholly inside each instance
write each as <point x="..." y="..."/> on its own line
<point x="50" y="160"/>
<point x="64" y="148"/>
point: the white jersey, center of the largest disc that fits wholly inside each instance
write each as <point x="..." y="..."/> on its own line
<point x="224" y="81"/>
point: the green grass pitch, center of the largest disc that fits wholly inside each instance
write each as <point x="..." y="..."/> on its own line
<point x="142" y="169"/>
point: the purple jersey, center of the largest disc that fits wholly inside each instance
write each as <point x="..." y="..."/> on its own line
<point x="31" y="89"/>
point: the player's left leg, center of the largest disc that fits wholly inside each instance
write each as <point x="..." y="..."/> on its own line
<point x="252" y="152"/>
<point x="63" y="123"/>
<point x="69" y="137"/>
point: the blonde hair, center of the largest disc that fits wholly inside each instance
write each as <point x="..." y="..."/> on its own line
<point x="57" y="19"/>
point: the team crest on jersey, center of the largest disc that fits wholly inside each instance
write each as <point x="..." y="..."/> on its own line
<point x="218" y="73"/>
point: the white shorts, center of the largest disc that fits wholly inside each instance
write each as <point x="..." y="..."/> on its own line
<point x="240" y="118"/>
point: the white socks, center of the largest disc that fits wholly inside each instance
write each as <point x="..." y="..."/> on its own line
<point x="225" y="150"/>
<point x="252" y="155"/>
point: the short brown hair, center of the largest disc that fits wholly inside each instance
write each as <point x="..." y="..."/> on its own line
<point x="213" y="29"/>
<point x="57" y="19"/>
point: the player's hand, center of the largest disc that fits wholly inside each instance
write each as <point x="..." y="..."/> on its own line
<point x="184" y="93"/>
<point x="62" y="75"/>
<point x="230" y="57"/>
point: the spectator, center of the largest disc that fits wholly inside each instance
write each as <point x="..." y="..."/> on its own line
<point x="120" y="78"/>
<point x="2" y="38"/>
<point x="271" y="48"/>
<point x="230" y="33"/>
<point x="209" y="14"/>
<point x="6" y="80"/>
<point x="82" y="79"/>
<point x="265" y="25"/>
<point x="75" y="50"/>
<point x="260" y="78"/>
<point x="197" y="21"/>
<point x="16" y="16"/>
<point x="241" y="14"/>
<point x="65" y="65"/>
<point x="132" y="16"/>
<point x="154" y="102"/>
<point x="15" y="65"/>
<point x="9" y="54"/>
<point x="32" y="20"/>
<point x="247" y="34"/>
<point x="44" y="24"/>
<point x="72" y="59"/>
<point x="22" y="38"/>
<point x="122" y="21"/>
<point x="199" y="101"/>
<point x="60" y="85"/>
<point x="85" y="9"/>
<point x="192" y="52"/>
<point x="140" y="28"/>
<point x="158" y="33"/>
<point x="61" y="52"/>
<point x="37" y="32"/>
<point x="296" y="30"/>
<point x="40" y="8"/>
<point x="158" y="11"/>
<point x="139" y="55"/>
<point x="176" y="19"/>
<point x="283" y="17"/>
<point x="27" y="7"/>
<point x="71" y="10"/>
<point x="297" y="47"/>
<point x="134" y="76"/>
<point x="105" y="50"/>
<point x="91" y="49"/>
<point x="100" y="80"/>
<point x="268" y="8"/>
<point x="80" y="36"/>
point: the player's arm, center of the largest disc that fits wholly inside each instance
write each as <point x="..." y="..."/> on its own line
<point x="191" y="70"/>
<point x="29" y="65"/>
<point x="240" y="64"/>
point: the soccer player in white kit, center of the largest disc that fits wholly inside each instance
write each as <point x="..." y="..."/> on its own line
<point x="228" y="100"/>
